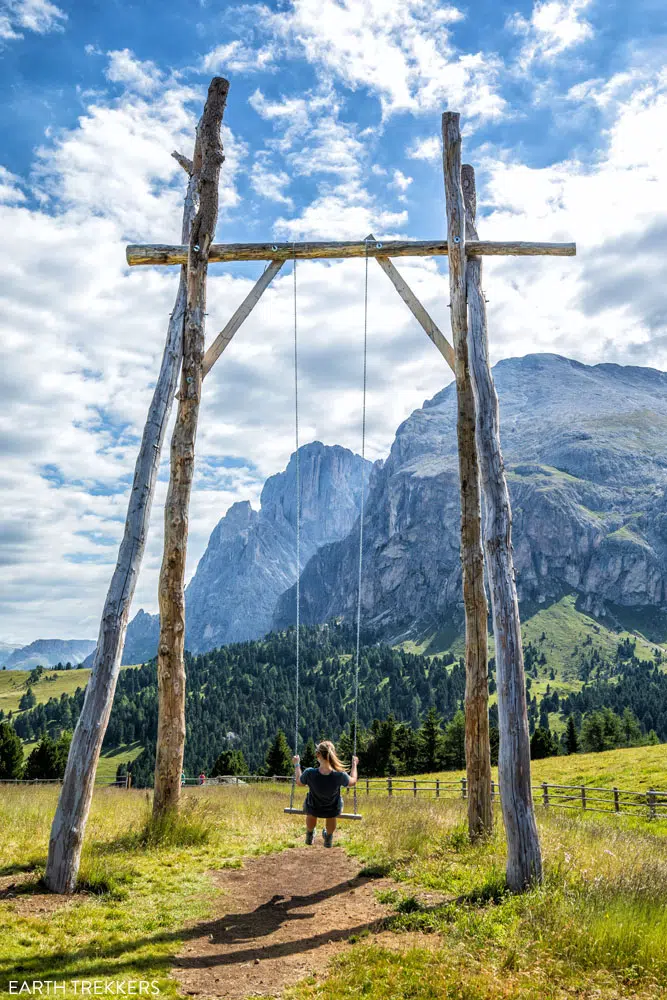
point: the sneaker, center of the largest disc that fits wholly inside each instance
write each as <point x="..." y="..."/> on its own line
<point x="309" y="836"/>
<point x="328" y="838"/>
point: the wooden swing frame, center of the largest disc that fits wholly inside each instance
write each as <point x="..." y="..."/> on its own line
<point x="480" y="466"/>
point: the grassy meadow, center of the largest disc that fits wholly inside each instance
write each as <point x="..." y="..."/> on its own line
<point x="596" y="928"/>
<point x="52" y="683"/>
<point x="634" y="769"/>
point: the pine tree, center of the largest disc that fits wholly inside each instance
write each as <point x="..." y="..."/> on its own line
<point x="11" y="752"/>
<point x="308" y="757"/>
<point x="431" y="745"/>
<point x="43" y="761"/>
<point x="572" y="744"/>
<point x="62" y="751"/>
<point x="455" y="743"/>
<point x="541" y="744"/>
<point x="28" y="700"/>
<point x="279" y="756"/>
<point x="230" y="762"/>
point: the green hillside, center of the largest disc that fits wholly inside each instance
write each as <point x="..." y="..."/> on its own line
<point x="634" y="769"/>
<point x="52" y="683"/>
<point x="560" y="631"/>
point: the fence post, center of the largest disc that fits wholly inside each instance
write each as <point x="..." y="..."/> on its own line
<point x="583" y="796"/>
<point x="437" y="788"/>
<point x="464" y="788"/>
<point x="389" y="788"/>
<point x="414" y="788"/>
<point x="367" y="787"/>
<point x="650" y="797"/>
<point x="493" y="790"/>
<point x="617" y="804"/>
<point x="128" y="780"/>
<point x="545" y="794"/>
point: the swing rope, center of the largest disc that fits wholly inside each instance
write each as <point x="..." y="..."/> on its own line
<point x="298" y="533"/>
<point x="361" y="523"/>
<point x="298" y="529"/>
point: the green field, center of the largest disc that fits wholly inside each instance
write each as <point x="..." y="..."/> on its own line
<point x="596" y="928"/>
<point x="52" y="683"/>
<point x="635" y="769"/>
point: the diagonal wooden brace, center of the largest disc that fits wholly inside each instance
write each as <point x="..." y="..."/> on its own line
<point x="241" y="314"/>
<point x="417" y="310"/>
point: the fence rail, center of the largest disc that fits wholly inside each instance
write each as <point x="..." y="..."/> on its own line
<point x="650" y="803"/>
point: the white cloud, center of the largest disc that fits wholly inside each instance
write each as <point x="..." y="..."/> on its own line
<point x="400" y="181"/>
<point x="125" y="68"/>
<point x="40" y="16"/>
<point x="425" y="149"/>
<point x="10" y="189"/>
<point x="117" y="161"/>
<point x="268" y="182"/>
<point x="554" y="27"/>
<point x="235" y="57"/>
<point x="402" y="51"/>
<point x="607" y="303"/>
<point x="341" y="213"/>
<point x="316" y="143"/>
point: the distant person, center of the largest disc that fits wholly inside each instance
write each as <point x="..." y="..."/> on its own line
<point x="202" y="778"/>
<point x="182" y="778"/>
<point x="324" y="800"/>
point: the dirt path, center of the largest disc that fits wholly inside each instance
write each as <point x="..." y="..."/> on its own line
<point x="291" y="913"/>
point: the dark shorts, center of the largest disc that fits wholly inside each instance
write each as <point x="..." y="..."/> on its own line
<point x="323" y="812"/>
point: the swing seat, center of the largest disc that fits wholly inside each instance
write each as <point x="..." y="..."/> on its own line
<point x="300" y="812"/>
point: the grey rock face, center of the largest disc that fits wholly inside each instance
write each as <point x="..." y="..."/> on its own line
<point x="251" y="555"/>
<point x="586" y="457"/>
<point x="48" y="652"/>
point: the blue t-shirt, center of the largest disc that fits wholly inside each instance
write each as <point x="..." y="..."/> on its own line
<point x="324" y="798"/>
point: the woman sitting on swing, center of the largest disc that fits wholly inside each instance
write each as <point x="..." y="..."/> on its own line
<point x="324" y="800"/>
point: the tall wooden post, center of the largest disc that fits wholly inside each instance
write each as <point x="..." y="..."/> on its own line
<point x="171" y="667"/>
<point x="524" y="857"/>
<point x="69" y="823"/>
<point x="478" y="754"/>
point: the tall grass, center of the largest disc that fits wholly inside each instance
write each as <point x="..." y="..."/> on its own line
<point x="599" y="922"/>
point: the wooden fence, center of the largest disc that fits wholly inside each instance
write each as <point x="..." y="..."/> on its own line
<point x="650" y="804"/>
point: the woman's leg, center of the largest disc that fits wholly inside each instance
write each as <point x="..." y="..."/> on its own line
<point x="311" y="823"/>
<point x="331" y="824"/>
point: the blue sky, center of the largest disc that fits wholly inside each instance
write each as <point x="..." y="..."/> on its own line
<point x="331" y="130"/>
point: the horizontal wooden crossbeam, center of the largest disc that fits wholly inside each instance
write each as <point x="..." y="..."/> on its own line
<point x="137" y="254"/>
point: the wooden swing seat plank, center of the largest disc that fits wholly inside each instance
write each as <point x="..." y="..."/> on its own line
<point x="300" y="812"/>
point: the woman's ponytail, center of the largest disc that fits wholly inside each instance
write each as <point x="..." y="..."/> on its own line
<point x="327" y="752"/>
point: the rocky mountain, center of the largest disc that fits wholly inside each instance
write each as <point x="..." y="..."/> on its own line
<point x="251" y="555"/>
<point x="586" y="456"/>
<point x="48" y="652"/>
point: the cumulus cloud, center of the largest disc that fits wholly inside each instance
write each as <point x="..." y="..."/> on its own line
<point x="268" y="182"/>
<point x="315" y="142"/>
<point x="74" y="408"/>
<point x="40" y="16"/>
<point x="236" y="57"/>
<point x="426" y="149"/>
<point x="553" y="27"/>
<point x="125" y="68"/>
<point x="401" y="51"/>
<point x="605" y="304"/>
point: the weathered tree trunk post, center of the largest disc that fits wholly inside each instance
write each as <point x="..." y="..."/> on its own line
<point x="69" y="823"/>
<point x="170" y="667"/>
<point x="478" y="753"/>
<point x="524" y="857"/>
